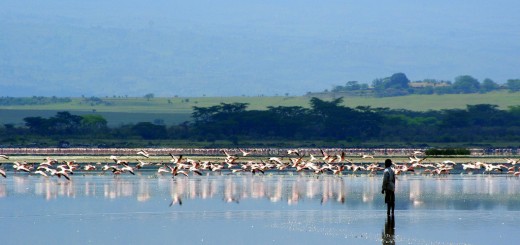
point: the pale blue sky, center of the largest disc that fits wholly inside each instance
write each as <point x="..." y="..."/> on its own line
<point x="222" y="48"/>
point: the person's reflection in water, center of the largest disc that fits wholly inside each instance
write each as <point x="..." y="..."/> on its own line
<point x="388" y="236"/>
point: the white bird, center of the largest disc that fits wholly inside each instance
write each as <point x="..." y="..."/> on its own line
<point x="312" y="158"/>
<point x="415" y="153"/>
<point x="89" y="167"/>
<point x="176" y="160"/>
<point x="366" y="156"/>
<point x="415" y="159"/>
<point x="60" y="173"/>
<point x="289" y="152"/>
<point x="127" y="168"/>
<point x="326" y="156"/>
<point x="163" y="169"/>
<point x="245" y="153"/>
<point x="276" y="159"/>
<point x="449" y="162"/>
<point x="512" y="161"/>
<point x="40" y="172"/>
<point x="141" y="164"/>
<point x="143" y="153"/>
<point x="21" y="167"/>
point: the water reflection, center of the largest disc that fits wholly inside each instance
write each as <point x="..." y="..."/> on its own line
<point x="413" y="192"/>
<point x="388" y="236"/>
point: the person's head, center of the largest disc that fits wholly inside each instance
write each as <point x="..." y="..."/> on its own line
<point x="388" y="163"/>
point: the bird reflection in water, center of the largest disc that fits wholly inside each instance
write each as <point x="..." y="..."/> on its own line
<point x="388" y="236"/>
<point x="231" y="189"/>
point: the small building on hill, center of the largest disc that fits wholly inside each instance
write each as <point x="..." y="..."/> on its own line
<point x="423" y="84"/>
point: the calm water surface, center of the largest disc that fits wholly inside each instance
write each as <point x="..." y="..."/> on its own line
<point x="259" y="209"/>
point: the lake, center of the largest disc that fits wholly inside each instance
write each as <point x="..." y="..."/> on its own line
<point x="258" y="209"/>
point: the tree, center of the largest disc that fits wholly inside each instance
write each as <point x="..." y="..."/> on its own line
<point x="455" y="118"/>
<point x="466" y="84"/>
<point x="488" y="85"/>
<point x="378" y="84"/>
<point x="149" y="96"/>
<point x="352" y="85"/>
<point x="149" y="130"/>
<point x="395" y="85"/>
<point x="325" y="108"/>
<point x="485" y="115"/>
<point x="397" y="81"/>
<point x="37" y="124"/>
<point x="513" y="85"/>
<point x="65" y="122"/>
<point x="93" y="122"/>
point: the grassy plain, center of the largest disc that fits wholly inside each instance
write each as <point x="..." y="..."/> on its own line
<point x="176" y="110"/>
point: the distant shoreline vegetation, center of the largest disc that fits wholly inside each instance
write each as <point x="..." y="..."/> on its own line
<point x="34" y="100"/>
<point x="399" y="85"/>
<point x="323" y="122"/>
<point x="369" y="116"/>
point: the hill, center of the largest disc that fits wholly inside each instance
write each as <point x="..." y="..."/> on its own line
<point x="121" y="110"/>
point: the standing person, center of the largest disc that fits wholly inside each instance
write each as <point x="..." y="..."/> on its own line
<point x="388" y="187"/>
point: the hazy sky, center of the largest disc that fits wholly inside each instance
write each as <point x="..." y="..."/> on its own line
<point x="221" y="48"/>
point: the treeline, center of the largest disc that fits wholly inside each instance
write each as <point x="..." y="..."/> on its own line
<point x="398" y="85"/>
<point x="35" y="100"/>
<point x="323" y="121"/>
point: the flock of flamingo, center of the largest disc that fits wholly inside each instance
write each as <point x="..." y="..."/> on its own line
<point x="336" y="164"/>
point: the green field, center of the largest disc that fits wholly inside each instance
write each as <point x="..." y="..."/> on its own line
<point x="176" y="110"/>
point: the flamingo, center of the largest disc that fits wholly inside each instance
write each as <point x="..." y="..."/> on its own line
<point x="163" y="169"/>
<point x="245" y="153"/>
<point x="143" y="153"/>
<point x="141" y="164"/>
<point x="326" y="156"/>
<point x="127" y="168"/>
<point x="89" y="167"/>
<point x="295" y="161"/>
<point x="312" y="158"/>
<point x="21" y="167"/>
<point x="366" y="156"/>
<point x="216" y="167"/>
<point x="40" y="172"/>
<point x="449" y="162"/>
<point x="289" y="152"/>
<point x="341" y="157"/>
<point x="276" y="159"/>
<point x="415" y="153"/>
<point x="338" y="170"/>
<point x="60" y="173"/>
<point x="175" y="160"/>
<point x="512" y="161"/>
<point x="415" y="159"/>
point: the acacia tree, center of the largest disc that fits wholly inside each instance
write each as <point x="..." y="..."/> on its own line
<point x="93" y="122"/>
<point x="149" y="96"/>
